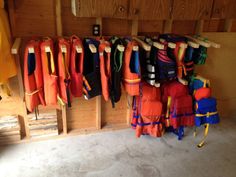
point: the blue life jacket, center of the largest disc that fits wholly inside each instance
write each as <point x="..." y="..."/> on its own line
<point x="206" y="112"/>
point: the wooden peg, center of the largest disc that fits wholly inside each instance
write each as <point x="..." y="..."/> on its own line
<point x="213" y="44"/>
<point x="158" y="45"/>
<point x="78" y="49"/>
<point x="171" y="45"/>
<point x="121" y="48"/>
<point x="162" y="40"/>
<point x="202" y="43"/>
<point x="193" y="44"/>
<point x="183" y="45"/>
<point x="145" y="46"/>
<point x="63" y="49"/>
<point x="47" y="49"/>
<point x="135" y="48"/>
<point x="16" y="46"/>
<point x="108" y="49"/>
<point x="92" y="48"/>
<point x="31" y="50"/>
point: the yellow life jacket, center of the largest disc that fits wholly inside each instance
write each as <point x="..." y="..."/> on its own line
<point x="7" y="62"/>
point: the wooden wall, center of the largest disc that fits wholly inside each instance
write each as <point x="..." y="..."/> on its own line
<point x="54" y="18"/>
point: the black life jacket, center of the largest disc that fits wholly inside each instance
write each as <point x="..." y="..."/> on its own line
<point x="151" y="67"/>
<point x="91" y="72"/>
<point x="116" y="70"/>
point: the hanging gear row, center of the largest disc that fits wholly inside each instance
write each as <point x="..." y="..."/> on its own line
<point x="149" y="69"/>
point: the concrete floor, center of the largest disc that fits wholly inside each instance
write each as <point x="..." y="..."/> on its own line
<point x="119" y="153"/>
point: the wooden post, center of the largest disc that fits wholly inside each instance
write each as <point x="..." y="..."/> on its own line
<point x="24" y="120"/>
<point x="58" y="18"/>
<point x="134" y="32"/>
<point x="168" y="26"/>
<point x="98" y="112"/>
<point x="64" y="118"/>
<point x="99" y="98"/>
<point x="199" y="26"/>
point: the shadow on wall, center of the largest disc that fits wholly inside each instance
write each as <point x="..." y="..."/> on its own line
<point x="220" y="69"/>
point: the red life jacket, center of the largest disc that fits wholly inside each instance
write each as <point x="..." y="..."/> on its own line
<point x="63" y="62"/>
<point x="131" y="80"/>
<point x="147" y="115"/>
<point x="76" y="66"/>
<point x="178" y="105"/>
<point x="105" y="69"/>
<point x="33" y="76"/>
<point x="50" y="77"/>
<point x="179" y="55"/>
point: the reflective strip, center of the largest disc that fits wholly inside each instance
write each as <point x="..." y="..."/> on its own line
<point x="181" y="115"/>
<point x="150" y="123"/>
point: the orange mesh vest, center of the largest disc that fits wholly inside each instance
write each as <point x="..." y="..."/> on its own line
<point x="105" y="69"/>
<point x="50" y="77"/>
<point x="76" y="67"/>
<point x="63" y="62"/>
<point x="33" y="76"/>
<point x="131" y="79"/>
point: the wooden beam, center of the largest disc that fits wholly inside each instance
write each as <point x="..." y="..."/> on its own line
<point x="228" y="25"/>
<point x="58" y="18"/>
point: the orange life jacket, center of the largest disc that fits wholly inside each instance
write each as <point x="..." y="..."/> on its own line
<point x="76" y="66"/>
<point x="179" y="55"/>
<point x="105" y="68"/>
<point x="33" y="77"/>
<point x="147" y="116"/>
<point x="63" y="62"/>
<point x="50" y="77"/>
<point x="131" y="79"/>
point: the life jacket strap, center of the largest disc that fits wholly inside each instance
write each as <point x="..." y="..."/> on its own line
<point x="32" y="93"/>
<point x="167" y="120"/>
<point x="202" y="143"/>
<point x="208" y="114"/>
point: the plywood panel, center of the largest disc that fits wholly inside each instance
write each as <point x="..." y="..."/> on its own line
<point x="74" y="25"/>
<point x="151" y="10"/>
<point x="102" y="8"/>
<point x="215" y="25"/>
<point x="150" y="27"/>
<point x="116" y="27"/>
<point x="220" y="69"/>
<point x="82" y="114"/>
<point x="183" y="27"/>
<point x="192" y="9"/>
<point x="224" y="9"/>
<point x="117" y="115"/>
<point x="233" y="28"/>
<point x="33" y="18"/>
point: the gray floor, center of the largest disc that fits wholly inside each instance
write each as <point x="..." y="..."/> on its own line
<point x="119" y="153"/>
